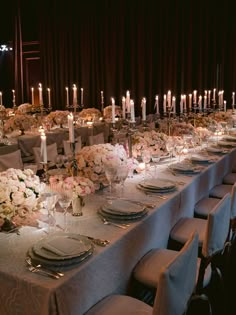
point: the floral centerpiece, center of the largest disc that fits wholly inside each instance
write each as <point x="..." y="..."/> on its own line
<point x="58" y="117"/>
<point x="19" y="192"/>
<point x="27" y="108"/>
<point x="76" y="187"/>
<point x="107" y="113"/>
<point x="90" y="114"/>
<point x="21" y="122"/>
<point x="91" y="161"/>
<point x="152" y="141"/>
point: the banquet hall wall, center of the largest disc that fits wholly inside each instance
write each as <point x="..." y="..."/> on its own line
<point x="147" y="47"/>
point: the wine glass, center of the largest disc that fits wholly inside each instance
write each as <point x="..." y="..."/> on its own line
<point x="111" y="174"/>
<point x="50" y="199"/>
<point x="146" y="158"/>
<point x="155" y="159"/>
<point x="64" y="202"/>
<point x="122" y="174"/>
<point x="170" y="147"/>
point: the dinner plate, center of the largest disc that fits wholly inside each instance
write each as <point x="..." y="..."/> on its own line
<point x="58" y="264"/>
<point x="156" y="183"/>
<point x="229" y="138"/>
<point x="62" y="246"/>
<point x="123" y="207"/>
<point x="122" y="218"/>
<point x="226" y="144"/>
<point x="154" y="190"/>
<point x="200" y="159"/>
<point x="185" y="168"/>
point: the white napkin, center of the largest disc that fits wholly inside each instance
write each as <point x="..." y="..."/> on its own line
<point x="65" y="246"/>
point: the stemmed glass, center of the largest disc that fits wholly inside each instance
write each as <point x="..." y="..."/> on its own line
<point x="146" y="158"/>
<point x="170" y="147"/>
<point x="51" y="199"/>
<point x="122" y="174"/>
<point x="111" y="173"/>
<point x="64" y="202"/>
<point x="155" y="159"/>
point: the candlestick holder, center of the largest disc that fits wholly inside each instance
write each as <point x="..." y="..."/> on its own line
<point x="45" y="176"/>
<point x="130" y="132"/>
<point x="74" y="165"/>
<point x="195" y="108"/>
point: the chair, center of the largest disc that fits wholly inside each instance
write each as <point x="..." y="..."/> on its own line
<point x="213" y="234"/>
<point x="176" y="286"/>
<point x="97" y="139"/>
<point x="51" y="154"/>
<point x="11" y="160"/>
<point x="229" y="179"/>
<point x="67" y="146"/>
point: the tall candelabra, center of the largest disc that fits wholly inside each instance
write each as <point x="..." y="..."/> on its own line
<point x="74" y="165"/>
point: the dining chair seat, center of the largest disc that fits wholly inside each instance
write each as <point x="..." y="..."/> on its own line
<point x="229" y="179"/>
<point x="176" y="287"/>
<point x="11" y="160"/>
<point x="51" y="154"/>
<point x="219" y="191"/>
<point x="67" y="146"/>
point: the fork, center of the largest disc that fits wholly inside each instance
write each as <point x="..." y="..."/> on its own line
<point x="106" y="222"/>
<point x="43" y="269"/>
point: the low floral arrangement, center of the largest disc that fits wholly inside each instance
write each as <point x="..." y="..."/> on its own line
<point x="152" y="141"/>
<point x="107" y="113"/>
<point x="19" y="192"/>
<point x="221" y="116"/>
<point x="3" y="112"/>
<point x="91" y="161"/>
<point x="75" y="186"/>
<point x="58" y="117"/>
<point x="90" y="114"/>
<point x="21" y="122"/>
<point x="28" y="108"/>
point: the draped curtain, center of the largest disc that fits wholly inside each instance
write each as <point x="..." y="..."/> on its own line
<point x="146" y="47"/>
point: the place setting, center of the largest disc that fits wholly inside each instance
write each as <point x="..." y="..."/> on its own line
<point x="157" y="186"/>
<point x="60" y="251"/>
<point x="122" y="212"/>
<point x="185" y="168"/>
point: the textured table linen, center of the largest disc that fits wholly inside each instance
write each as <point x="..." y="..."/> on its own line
<point x="109" y="269"/>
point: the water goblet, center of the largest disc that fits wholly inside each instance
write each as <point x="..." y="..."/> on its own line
<point x="111" y="174"/>
<point x="122" y="174"/>
<point x="50" y="199"/>
<point x="64" y="202"/>
<point x="146" y="158"/>
<point x="155" y="159"/>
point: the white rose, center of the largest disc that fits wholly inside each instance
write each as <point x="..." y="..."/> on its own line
<point x="18" y="197"/>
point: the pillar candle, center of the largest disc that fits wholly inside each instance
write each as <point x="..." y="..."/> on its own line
<point x="143" y="105"/>
<point x="132" y="112"/>
<point x="82" y="97"/>
<point x="200" y="102"/>
<point x="123" y="108"/>
<point x="40" y="94"/>
<point x="0" y="98"/>
<point x="184" y="102"/>
<point x="169" y="99"/>
<point x="233" y="98"/>
<point x="181" y="104"/>
<point x="164" y="103"/>
<point x="173" y="105"/>
<point x="209" y="97"/>
<point x="225" y="106"/>
<point x="113" y="111"/>
<point x="13" y="97"/>
<point x="102" y="101"/>
<point x="194" y="97"/>
<point x="205" y="102"/>
<point x="49" y="97"/>
<point x="156" y="106"/>
<point x="32" y="96"/>
<point x="214" y="95"/>
<point x="190" y="101"/>
<point x="44" y="147"/>
<point x="127" y="102"/>
<point x="67" y="96"/>
<point x="74" y="95"/>
<point x="71" y="127"/>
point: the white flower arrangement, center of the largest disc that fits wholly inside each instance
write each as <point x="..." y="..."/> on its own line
<point x="107" y="112"/>
<point x="58" y="117"/>
<point x="91" y="161"/>
<point x="74" y="186"/>
<point x="19" y="192"/>
<point x="90" y="114"/>
<point x="20" y="122"/>
<point x="152" y="141"/>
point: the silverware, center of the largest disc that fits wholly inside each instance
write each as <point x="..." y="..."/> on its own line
<point x="106" y="222"/>
<point x="43" y="272"/>
<point x="98" y="241"/>
<point x="49" y="272"/>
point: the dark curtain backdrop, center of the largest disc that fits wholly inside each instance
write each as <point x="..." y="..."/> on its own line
<point x="147" y="47"/>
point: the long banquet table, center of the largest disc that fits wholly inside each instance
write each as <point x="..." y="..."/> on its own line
<point x="108" y="270"/>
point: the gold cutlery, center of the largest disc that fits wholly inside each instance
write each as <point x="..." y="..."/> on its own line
<point x="49" y="272"/>
<point x="98" y="241"/>
<point x="122" y="226"/>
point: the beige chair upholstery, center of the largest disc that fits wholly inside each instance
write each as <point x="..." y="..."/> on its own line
<point x="219" y="191"/>
<point x="11" y="160"/>
<point x="67" y="146"/>
<point x="229" y="179"/>
<point x="176" y="286"/>
<point x="213" y="233"/>
<point x="51" y="154"/>
<point x="205" y="205"/>
<point x="97" y="139"/>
